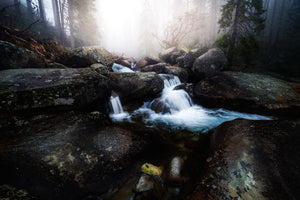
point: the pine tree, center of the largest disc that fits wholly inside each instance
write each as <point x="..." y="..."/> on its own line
<point x="241" y="21"/>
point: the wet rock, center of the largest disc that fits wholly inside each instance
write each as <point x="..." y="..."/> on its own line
<point x="189" y="58"/>
<point x="160" y="68"/>
<point x="182" y="73"/>
<point x="170" y="55"/>
<point x="164" y="68"/>
<point x="152" y="60"/>
<point x="159" y="106"/>
<point x="68" y="156"/>
<point x="174" y="175"/>
<point x="101" y="69"/>
<point x="212" y="61"/>
<point x="253" y="160"/>
<point x="56" y="66"/>
<point x="14" y="57"/>
<point x="85" y="56"/>
<point x="188" y="87"/>
<point x="26" y="89"/>
<point x="144" y="184"/>
<point x="135" y="86"/>
<point x="127" y="62"/>
<point x="249" y="92"/>
<point x="141" y="63"/>
<point x="147" y="61"/>
<point x="8" y="192"/>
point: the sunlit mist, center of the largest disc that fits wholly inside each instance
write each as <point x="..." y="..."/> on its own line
<point x="137" y="27"/>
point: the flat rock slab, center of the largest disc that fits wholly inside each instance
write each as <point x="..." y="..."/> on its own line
<point x="67" y="157"/>
<point x="249" y="92"/>
<point x="25" y="89"/>
<point x="253" y="160"/>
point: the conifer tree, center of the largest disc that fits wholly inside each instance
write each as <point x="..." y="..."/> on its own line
<point x="241" y="21"/>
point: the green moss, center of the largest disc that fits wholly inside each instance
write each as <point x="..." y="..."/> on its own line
<point x="70" y="94"/>
<point x="33" y="92"/>
<point x="9" y="102"/>
<point x="3" y="102"/>
<point x="50" y="98"/>
<point x="56" y="95"/>
<point x="35" y="102"/>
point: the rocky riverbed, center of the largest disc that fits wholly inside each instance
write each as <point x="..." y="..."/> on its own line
<point x="59" y="142"/>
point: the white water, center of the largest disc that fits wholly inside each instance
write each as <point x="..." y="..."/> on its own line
<point x="182" y="113"/>
<point x="121" y="68"/>
<point x="118" y="113"/>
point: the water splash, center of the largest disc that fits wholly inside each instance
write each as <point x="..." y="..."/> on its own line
<point x="118" y="113"/>
<point x="179" y="113"/>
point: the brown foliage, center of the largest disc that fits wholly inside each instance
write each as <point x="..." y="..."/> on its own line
<point x="46" y="49"/>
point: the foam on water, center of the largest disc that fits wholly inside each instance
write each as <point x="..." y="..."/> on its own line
<point x="182" y="113"/>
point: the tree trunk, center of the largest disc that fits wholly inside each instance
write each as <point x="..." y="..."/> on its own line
<point x="71" y="23"/>
<point x="57" y="19"/>
<point x="42" y="10"/>
<point x="29" y="9"/>
<point x="213" y="20"/>
<point x="234" y="32"/>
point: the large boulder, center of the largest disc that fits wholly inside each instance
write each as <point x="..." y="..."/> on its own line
<point x="188" y="59"/>
<point x="14" y="57"/>
<point x="164" y="68"/>
<point x="26" y="89"/>
<point x="85" y="56"/>
<point x="68" y="156"/>
<point x="170" y="55"/>
<point x="252" y="160"/>
<point x="212" y="61"/>
<point x="134" y="86"/>
<point x="250" y="93"/>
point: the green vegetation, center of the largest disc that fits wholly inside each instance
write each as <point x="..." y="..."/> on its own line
<point x="241" y="22"/>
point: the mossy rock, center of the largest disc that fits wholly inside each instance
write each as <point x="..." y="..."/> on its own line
<point x="26" y="89"/>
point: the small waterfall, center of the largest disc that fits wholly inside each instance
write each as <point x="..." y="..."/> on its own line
<point x="170" y="80"/>
<point x="171" y="100"/>
<point x="116" y="105"/>
<point x="121" y="68"/>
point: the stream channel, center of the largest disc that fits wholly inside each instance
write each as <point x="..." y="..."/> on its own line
<point x="183" y="129"/>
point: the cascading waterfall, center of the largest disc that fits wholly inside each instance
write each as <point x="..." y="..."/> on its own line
<point x="118" y="113"/>
<point x="177" y="111"/>
<point x="116" y="105"/>
<point x="174" y="110"/>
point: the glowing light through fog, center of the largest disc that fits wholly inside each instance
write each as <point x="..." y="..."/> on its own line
<point x="119" y="24"/>
<point x="127" y="25"/>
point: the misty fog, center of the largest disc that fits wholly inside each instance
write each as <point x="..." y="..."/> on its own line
<point x="137" y="27"/>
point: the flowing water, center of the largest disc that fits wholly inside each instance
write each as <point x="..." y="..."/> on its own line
<point x="175" y="111"/>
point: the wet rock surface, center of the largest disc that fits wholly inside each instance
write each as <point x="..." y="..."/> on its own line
<point x="164" y="68"/>
<point x="212" y="61"/>
<point x="170" y="55"/>
<point x="249" y="92"/>
<point x="135" y="86"/>
<point x="252" y="160"/>
<point x="25" y="89"/>
<point x="67" y="156"/>
<point x="14" y="57"/>
<point x="85" y="56"/>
